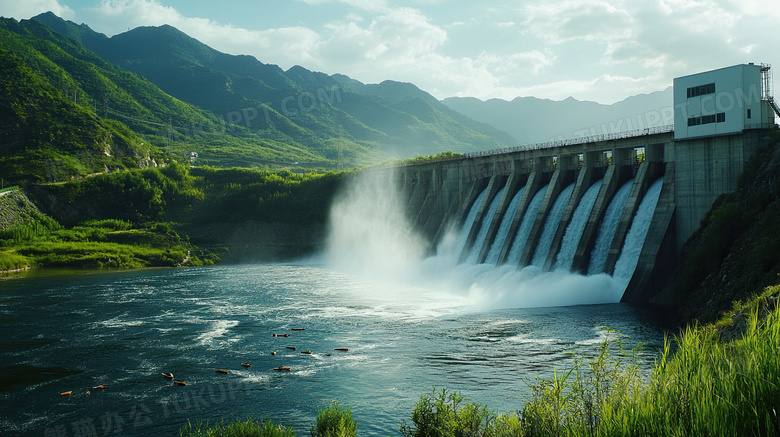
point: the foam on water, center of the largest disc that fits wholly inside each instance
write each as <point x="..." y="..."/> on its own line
<point x="217" y="329"/>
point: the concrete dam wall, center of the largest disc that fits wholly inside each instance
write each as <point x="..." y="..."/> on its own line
<point x="621" y="206"/>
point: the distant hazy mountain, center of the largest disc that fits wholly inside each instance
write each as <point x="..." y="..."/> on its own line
<point x="533" y="120"/>
<point x="334" y="117"/>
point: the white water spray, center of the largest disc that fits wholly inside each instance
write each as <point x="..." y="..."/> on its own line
<point x="524" y="231"/>
<point x="484" y="228"/>
<point x="370" y="236"/>
<point x="368" y="232"/>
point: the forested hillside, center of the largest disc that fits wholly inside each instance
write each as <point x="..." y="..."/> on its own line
<point x="46" y="137"/>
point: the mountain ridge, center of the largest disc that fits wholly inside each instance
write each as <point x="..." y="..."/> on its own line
<point x="536" y="120"/>
<point x="227" y="84"/>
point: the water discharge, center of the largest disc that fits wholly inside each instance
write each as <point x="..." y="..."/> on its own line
<point x="607" y="229"/>
<point x="521" y="238"/>
<point x="483" y="229"/>
<point x="503" y="229"/>
<point x="632" y="247"/>
<point x="369" y="233"/>
<point x="483" y="286"/>
<point x="577" y="225"/>
<point x="551" y="225"/>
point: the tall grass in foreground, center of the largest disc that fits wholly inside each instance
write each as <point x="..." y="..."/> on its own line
<point x="333" y="421"/>
<point x="710" y="388"/>
<point x="705" y="388"/>
<point x="445" y="413"/>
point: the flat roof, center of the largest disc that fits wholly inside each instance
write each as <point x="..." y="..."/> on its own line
<point x="752" y="64"/>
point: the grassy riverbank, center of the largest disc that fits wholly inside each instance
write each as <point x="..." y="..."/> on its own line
<point x="93" y="244"/>
<point x="160" y="217"/>
<point x="718" y="379"/>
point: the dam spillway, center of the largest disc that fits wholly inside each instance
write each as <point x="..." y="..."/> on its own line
<point x="622" y="206"/>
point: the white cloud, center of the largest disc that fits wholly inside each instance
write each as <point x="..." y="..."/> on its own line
<point x="368" y="5"/>
<point x="588" y="20"/>
<point x="399" y="38"/>
<point x="602" y="50"/>
<point x="531" y="62"/>
<point x="22" y="10"/>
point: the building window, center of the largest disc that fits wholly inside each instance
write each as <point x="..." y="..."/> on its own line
<point x="748" y="113"/>
<point x="701" y="90"/>
<point x="707" y="119"/>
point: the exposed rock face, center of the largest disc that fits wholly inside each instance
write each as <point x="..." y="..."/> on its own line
<point x="16" y="209"/>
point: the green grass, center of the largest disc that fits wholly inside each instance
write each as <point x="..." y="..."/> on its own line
<point x="13" y="261"/>
<point x="100" y="255"/>
<point x="706" y="387"/>
<point x="248" y="428"/>
<point x="108" y="243"/>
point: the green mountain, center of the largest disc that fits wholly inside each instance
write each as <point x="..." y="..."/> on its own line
<point x="353" y="123"/>
<point x="165" y="121"/>
<point x="44" y="136"/>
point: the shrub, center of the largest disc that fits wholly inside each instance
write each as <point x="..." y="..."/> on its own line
<point x="12" y="261"/>
<point x="334" y="421"/>
<point x="444" y="414"/>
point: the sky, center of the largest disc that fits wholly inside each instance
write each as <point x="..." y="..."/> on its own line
<point x="597" y="50"/>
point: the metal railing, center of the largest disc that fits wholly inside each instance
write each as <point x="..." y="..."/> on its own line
<point x="579" y="140"/>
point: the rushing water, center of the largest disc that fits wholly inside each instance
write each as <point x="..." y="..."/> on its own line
<point x="410" y="322"/>
<point x="483" y="229"/>
<point x="74" y="332"/>
<point x="579" y="220"/>
<point x="503" y="230"/>
<point x="521" y="238"/>
<point x="607" y="228"/>
<point x="551" y="225"/>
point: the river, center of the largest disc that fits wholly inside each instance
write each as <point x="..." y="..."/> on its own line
<point x="123" y="329"/>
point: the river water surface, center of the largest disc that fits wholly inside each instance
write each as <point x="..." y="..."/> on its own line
<point x="71" y="333"/>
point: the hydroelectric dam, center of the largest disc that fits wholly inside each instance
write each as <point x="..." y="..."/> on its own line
<point x="621" y="204"/>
